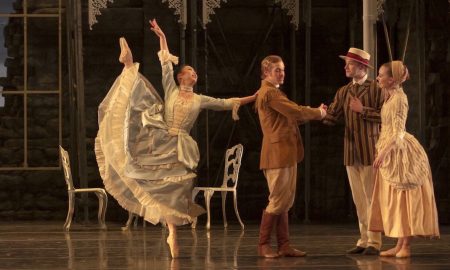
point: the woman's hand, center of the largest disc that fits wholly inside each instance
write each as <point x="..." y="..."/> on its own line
<point x="162" y="38"/>
<point x="248" y="99"/>
<point x="156" y="29"/>
<point x="379" y="160"/>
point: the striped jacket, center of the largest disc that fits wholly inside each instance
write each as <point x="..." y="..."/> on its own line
<point x="361" y="129"/>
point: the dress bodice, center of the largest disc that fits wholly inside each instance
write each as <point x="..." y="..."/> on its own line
<point x="167" y="125"/>
<point x="406" y="164"/>
<point x="180" y="113"/>
<point x="393" y="118"/>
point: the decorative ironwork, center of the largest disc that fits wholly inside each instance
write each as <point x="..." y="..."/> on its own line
<point x="380" y="9"/>
<point x="94" y="10"/>
<point x="180" y="7"/>
<point x="208" y="9"/>
<point x="292" y="7"/>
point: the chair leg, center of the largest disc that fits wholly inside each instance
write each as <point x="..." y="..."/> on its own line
<point x="105" y="207"/>
<point x="236" y="209"/>
<point x="208" y="195"/>
<point x="71" y="197"/>
<point x="224" y="197"/>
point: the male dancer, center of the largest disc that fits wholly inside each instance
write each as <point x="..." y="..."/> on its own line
<point x="359" y="104"/>
<point x="282" y="149"/>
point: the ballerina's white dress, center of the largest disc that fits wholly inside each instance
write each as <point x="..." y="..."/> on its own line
<point x="146" y="157"/>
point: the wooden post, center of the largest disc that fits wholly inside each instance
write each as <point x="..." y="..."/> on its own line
<point x="308" y="14"/>
<point x="76" y="88"/>
<point x="370" y="33"/>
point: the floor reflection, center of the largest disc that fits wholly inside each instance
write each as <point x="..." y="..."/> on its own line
<point x="366" y="262"/>
<point x="79" y="249"/>
<point x="224" y="242"/>
<point x="379" y="263"/>
<point x="48" y="247"/>
<point x="400" y="264"/>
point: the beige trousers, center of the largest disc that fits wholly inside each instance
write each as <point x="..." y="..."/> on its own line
<point x="362" y="180"/>
<point x="282" y="185"/>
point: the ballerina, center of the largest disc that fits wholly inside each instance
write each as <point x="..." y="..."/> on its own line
<point x="146" y="157"/>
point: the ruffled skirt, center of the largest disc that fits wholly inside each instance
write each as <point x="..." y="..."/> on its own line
<point x="139" y="165"/>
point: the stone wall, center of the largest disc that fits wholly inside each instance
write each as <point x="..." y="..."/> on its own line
<point x="33" y="194"/>
<point x="232" y="54"/>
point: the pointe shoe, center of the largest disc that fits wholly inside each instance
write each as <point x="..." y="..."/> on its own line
<point x="126" y="57"/>
<point x="173" y="246"/>
<point x="389" y="253"/>
<point x="403" y="253"/>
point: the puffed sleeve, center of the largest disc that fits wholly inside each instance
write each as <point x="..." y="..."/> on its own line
<point x="399" y="118"/>
<point x="167" y="60"/>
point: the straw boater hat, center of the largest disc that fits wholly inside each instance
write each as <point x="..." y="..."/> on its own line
<point x="357" y="55"/>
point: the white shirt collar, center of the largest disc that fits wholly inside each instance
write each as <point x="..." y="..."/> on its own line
<point x="360" y="82"/>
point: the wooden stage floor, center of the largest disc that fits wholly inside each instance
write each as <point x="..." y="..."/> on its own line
<point x="45" y="245"/>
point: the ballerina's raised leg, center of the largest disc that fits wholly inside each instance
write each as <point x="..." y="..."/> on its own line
<point x="126" y="57"/>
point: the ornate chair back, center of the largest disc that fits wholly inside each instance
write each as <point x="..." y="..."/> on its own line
<point x="66" y="166"/>
<point x="233" y="158"/>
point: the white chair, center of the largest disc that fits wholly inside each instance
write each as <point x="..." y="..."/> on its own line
<point x="71" y="191"/>
<point x="233" y="158"/>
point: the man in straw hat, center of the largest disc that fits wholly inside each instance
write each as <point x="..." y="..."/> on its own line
<point x="359" y="104"/>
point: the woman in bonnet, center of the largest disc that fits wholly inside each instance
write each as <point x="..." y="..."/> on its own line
<point x="403" y="203"/>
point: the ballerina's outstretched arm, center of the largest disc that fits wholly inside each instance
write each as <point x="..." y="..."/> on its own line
<point x="162" y="37"/>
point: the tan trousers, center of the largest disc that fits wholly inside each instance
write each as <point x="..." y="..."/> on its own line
<point x="282" y="185"/>
<point x="362" y="180"/>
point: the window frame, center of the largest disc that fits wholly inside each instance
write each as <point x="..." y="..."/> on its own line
<point x="30" y="92"/>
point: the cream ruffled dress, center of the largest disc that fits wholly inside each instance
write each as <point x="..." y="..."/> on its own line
<point x="146" y="157"/>
<point x="403" y="202"/>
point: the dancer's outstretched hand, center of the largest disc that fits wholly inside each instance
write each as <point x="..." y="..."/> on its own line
<point x="155" y="28"/>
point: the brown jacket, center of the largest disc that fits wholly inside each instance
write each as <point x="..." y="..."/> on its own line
<point x="279" y="118"/>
